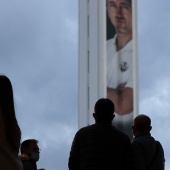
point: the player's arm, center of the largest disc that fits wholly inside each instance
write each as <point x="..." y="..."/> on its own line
<point x="122" y="98"/>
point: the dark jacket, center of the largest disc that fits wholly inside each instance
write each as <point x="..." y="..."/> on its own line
<point x="100" y="147"/>
<point x="148" y="153"/>
<point x="29" y="164"/>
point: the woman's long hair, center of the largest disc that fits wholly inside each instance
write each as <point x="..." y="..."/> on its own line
<point x="12" y="130"/>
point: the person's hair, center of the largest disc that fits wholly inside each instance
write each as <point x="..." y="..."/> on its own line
<point x="104" y="110"/>
<point x="26" y="144"/>
<point x="12" y="130"/>
<point x="129" y="1"/>
<point x="143" y="123"/>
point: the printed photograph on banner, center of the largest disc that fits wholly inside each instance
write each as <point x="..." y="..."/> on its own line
<point x="120" y="57"/>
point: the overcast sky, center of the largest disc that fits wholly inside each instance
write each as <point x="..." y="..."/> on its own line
<point x="39" y="53"/>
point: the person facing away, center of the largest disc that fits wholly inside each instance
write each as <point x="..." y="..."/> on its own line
<point x="120" y="56"/>
<point x="30" y="154"/>
<point x="10" y="133"/>
<point x="101" y="146"/>
<point x="148" y="153"/>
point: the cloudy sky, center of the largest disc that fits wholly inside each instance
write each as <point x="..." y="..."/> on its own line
<point x="39" y="53"/>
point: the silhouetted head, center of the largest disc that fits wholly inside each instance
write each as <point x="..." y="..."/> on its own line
<point x="12" y="130"/>
<point x="104" y="111"/>
<point x="31" y="149"/>
<point x="6" y="94"/>
<point x="141" y="125"/>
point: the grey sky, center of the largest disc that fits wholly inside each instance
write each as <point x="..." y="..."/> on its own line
<point x="154" y="81"/>
<point x="39" y="53"/>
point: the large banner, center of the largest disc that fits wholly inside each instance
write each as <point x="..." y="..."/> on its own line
<point x="108" y="59"/>
<point x="121" y="60"/>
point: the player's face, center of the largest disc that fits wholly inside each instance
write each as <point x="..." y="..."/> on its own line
<point x="34" y="147"/>
<point x="120" y="14"/>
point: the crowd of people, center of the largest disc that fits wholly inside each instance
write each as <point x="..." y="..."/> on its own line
<point x="100" y="146"/>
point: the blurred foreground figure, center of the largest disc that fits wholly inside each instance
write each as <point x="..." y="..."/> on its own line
<point x="148" y="153"/>
<point x="10" y="133"/>
<point x="30" y="154"/>
<point x="101" y="146"/>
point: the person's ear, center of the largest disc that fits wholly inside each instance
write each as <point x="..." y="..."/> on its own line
<point x="150" y="128"/>
<point x="25" y="151"/>
<point x="113" y="116"/>
<point x="94" y="115"/>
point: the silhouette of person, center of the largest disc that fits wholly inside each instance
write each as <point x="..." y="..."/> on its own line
<point x="30" y="154"/>
<point x="10" y="133"/>
<point x="148" y="153"/>
<point x="101" y="146"/>
<point x="120" y="56"/>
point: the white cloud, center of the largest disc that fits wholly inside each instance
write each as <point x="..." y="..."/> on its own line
<point x="158" y="98"/>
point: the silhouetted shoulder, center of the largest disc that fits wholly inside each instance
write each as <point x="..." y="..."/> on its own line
<point x="103" y="130"/>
